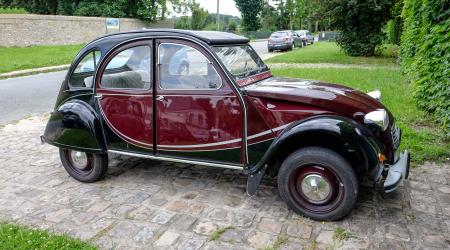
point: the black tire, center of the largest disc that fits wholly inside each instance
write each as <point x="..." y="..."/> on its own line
<point x="95" y="169"/>
<point x="335" y="175"/>
<point x="270" y="50"/>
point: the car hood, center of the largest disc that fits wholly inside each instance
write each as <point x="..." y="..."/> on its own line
<point x="333" y="97"/>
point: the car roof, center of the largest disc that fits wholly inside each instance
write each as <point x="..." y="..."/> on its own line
<point x="209" y="37"/>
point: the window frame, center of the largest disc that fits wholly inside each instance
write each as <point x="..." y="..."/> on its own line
<point x="115" y="51"/>
<point x="158" y="64"/>
<point x="77" y="62"/>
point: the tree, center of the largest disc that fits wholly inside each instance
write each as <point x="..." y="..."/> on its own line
<point x="250" y="10"/>
<point x="270" y="17"/>
<point x="149" y="10"/>
<point x="199" y="15"/>
<point x="232" y="26"/>
<point x="359" y="23"/>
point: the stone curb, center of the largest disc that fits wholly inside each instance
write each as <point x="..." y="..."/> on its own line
<point x="33" y="71"/>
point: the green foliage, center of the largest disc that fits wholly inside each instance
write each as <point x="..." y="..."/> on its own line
<point x="232" y="26"/>
<point x="360" y="23"/>
<point x="425" y="55"/>
<point x="18" y="237"/>
<point x="395" y="25"/>
<point x="199" y="15"/>
<point x="148" y="10"/>
<point x="197" y="20"/>
<point x="217" y="233"/>
<point x="250" y="10"/>
<point x="182" y="23"/>
<point x="424" y="140"/>
<point x="12" y="11"/>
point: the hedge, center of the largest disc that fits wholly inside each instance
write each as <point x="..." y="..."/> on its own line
<point x="425" y="56"/>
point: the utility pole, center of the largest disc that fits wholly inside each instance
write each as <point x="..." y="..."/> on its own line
<point x="217" y="17"/>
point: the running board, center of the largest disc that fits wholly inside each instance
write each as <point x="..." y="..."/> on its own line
<point x="178" y="160"/>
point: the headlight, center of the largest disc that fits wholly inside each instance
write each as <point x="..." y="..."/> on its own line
<point x="376" y="94"/>
<point x="378" y="117"/>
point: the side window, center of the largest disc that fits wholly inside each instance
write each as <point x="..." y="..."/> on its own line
<point x="130" y="69"/>
<point x="83" y="75"/>
<point x="183" y="67"/>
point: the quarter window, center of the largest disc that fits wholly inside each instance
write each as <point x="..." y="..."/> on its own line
<point x="130" y="69"/>
<point x="184" y="67"/>
<point x="82" y="76"/>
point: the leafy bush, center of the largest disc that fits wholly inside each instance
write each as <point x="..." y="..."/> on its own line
<point x="360" y="23"/>
<point x="425" y="55"/>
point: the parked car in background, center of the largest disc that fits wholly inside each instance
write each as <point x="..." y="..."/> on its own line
<point x="224" y="110"/>
<point x="283" y="40"/>
<point x="306" y="36"/>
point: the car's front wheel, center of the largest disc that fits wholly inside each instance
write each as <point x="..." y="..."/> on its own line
<point x="84" y="167"/>
<point x="318" y="183"/>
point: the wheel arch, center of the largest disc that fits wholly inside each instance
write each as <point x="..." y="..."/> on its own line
<point x="75" y="125"/>
<point x="345" y="136"/>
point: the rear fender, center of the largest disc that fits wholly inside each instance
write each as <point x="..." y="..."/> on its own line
<point x="75" y="125"/>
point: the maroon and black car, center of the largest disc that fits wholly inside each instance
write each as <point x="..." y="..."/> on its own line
<point x="207" y="98"/>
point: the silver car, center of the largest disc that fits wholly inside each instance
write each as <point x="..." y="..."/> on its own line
<point x="283" y="40"/>
<point x="306" y="36"/>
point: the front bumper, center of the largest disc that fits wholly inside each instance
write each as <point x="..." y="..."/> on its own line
<point x="396" y="173"/>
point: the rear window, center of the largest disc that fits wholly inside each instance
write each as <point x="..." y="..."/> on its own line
<point x="279" y="34"/>
<point x="83" y="74"/>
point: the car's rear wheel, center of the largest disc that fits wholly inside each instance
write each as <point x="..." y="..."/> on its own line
<point x="84" y="167"/>
<point x="318" y="183"/>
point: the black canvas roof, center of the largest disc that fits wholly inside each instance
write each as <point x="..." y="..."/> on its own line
<point x="210" y="37"/>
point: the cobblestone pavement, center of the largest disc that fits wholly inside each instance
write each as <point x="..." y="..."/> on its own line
<point x="154" y="205"/>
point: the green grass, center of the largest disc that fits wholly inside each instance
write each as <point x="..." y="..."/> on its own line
<point x="216" y="234"/>
<point x="22" y="238"/>
<point x="341" y="234"/>
<point x="420" y="135"/>
<point x="281" y="240"/>
<point x="13" y="11"/>
<point x="328" y="52"/>
<point x="15" y="58"/>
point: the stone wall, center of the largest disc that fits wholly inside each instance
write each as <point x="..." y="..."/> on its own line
<point x="24" y="30"/>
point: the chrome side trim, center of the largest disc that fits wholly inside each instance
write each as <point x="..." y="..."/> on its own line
<point x="203" y="145"/>
<point x="163" y="158"/>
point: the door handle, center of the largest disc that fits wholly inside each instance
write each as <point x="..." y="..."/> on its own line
<point x="99" y="96"/>
<point x="161" y="98"/>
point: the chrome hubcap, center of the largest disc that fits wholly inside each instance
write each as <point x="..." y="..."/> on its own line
<point x="315" y="188"/>
<point x="79" y="159"/>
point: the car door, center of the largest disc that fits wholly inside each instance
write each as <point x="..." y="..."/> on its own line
<point x="198" y="116"/>
<point x="124" y="93"/>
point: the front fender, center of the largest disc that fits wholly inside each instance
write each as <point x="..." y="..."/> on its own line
<point x="75" y="125"/>
<point x="351" y="136"/>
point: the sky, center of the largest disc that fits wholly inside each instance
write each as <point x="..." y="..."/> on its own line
<point x="225" y="6"/>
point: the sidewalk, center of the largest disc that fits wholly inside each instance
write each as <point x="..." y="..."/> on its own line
<point x="33" y="71"/>
<point x="144" y="204"/>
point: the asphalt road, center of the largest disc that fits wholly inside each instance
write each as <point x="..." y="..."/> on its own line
<point x="24" y="96"/>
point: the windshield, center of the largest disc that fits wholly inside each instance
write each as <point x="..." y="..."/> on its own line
<point x="241" y="60"/>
